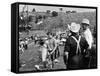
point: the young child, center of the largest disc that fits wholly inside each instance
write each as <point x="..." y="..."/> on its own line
<point x="43" y="54"/>
<point x="43" y="49"/>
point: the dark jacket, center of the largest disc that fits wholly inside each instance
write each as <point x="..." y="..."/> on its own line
<point x="75" y="60"/>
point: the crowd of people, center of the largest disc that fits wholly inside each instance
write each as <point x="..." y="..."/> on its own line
<point x="77" y="46"/>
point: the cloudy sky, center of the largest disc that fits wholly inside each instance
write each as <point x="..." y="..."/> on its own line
<point x="53" y="8"/>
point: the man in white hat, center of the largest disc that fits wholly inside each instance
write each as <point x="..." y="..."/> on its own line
<point x="89" y="38"/>
<point x="87" y="33"/>
<point x="74" y="48"/>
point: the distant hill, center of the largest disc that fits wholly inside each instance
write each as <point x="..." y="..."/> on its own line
<point x="64" y="19"/>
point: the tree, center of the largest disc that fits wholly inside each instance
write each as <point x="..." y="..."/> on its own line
<point x="44" y="16"/>
<point x="61" y="9"/>
<point x="48" y="11"/>
<point x="73" y="12"/>
<point x="33" y="10"/>
<point x="67" y="12"/>
<point x="54" y="13"/>
<point x="31" y="18"/>
<point x="40" y="17"/>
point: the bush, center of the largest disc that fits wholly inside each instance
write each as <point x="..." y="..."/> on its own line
<point x="48" y="11"/>
<point x="33" y="10"/>
<point x="54" y="14"/>
<point x="39" y="17"/>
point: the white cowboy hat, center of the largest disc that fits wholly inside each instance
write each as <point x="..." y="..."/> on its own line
<point x="86" y="21"/>
<point x="75" y="27"/>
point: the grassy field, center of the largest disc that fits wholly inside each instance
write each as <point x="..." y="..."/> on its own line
<point x="61" y="21"/>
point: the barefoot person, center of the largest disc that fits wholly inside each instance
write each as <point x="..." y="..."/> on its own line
<point x="74" y="48"/>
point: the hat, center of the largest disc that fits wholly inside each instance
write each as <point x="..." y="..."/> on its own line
<point x="74" y="27"/>
<point x="86" y="21"/>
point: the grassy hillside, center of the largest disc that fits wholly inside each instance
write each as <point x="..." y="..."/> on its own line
<point x="61" y="21"/>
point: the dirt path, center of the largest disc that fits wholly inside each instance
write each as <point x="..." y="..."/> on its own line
<point x="31" y="58"/>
